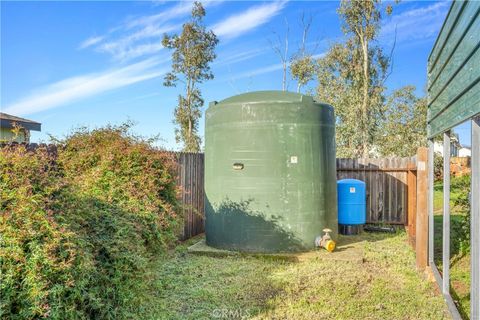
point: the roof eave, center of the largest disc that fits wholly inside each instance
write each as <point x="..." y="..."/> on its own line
<point x="32" y="126"/>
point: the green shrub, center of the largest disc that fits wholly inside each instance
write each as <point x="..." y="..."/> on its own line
<point x="78" y="231"/>
<point x="438" y="166"/>
<point x="37" y="254"/>
<point x="461" y="186"/>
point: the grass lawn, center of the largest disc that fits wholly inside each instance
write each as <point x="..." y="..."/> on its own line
<point x="385" y="286"/>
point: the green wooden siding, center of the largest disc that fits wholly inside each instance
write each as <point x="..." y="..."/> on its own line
<point x="454" y="69"/>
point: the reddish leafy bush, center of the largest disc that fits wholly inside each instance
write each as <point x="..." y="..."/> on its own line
<point x="78" y="231"/>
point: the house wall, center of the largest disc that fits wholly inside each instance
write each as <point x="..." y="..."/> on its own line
<point x="465" y="152"/>
<point x="6" y="135"/>
<point x="454" y="97"/>
<point x="454" y="149"/>
<point x="453" y="72"/>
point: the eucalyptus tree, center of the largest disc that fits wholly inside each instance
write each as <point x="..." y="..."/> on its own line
<point x="403" y="124"/>
<point x="351" y="77"/>
<point x="193" y="52"/>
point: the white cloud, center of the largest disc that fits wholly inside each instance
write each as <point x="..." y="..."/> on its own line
<point x="259" y="71"/>
<point x="243" y="22"/>
<point x="418" y="23"/>
<point x="181" y="9"/>
<point x="141" y="36"/>
<point x="226" y="58"/>
<point x="76" y="88"/>
<point x="135" y="44"/>
<point x="141" y="50"/>
<point x="90" y="42"/>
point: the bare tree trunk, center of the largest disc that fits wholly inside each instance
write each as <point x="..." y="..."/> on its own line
<point x="189" y="101"/>
<point x="303" y="77"/>
<point x="366" y="84"/>
<point x="189" y="143"/>
<point x="304" y="39"/>
<point x="189" y="128"/>
<point x="285" y="58"/>
<point x="280" y="47"/>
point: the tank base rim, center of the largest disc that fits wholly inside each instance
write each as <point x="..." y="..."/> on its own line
<point x="350" y="229"/>
<point x="258" y="250"/>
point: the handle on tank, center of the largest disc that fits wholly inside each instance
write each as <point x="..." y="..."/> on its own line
<point x="238" y="166"/>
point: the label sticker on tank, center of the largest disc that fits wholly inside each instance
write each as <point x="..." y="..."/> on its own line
<point x="352" y="189"/>
<point x="293" y="159"/>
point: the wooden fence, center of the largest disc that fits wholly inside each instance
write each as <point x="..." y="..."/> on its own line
<point x="391" y="189"/>
<point x="388" y="182"/>
<point x="190" y="180"/>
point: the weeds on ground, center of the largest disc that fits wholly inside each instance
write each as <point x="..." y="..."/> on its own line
<point x="385" y="286"/>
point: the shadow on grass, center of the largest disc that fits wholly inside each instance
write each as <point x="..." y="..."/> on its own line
<point x="459" y="272"/>
<point x="460" y="300"/>
<point x="455" y="248"/>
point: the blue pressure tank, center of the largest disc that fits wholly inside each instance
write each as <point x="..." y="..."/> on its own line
<point x="352" y="206"/>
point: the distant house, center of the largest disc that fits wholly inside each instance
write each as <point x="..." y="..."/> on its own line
<point x="16" y="129"/>
<point x="455" y="146"/>
<point x="465" y="152"/>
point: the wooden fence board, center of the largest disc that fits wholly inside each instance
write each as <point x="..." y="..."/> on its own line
<point x="386" y="186"/>
<point x="190" y="180"/>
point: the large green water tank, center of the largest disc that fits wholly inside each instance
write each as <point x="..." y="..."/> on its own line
<point x="270" y="172"/>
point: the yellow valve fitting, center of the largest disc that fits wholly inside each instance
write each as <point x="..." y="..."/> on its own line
<point x="330" y="245"/>
<point x="325" y="241"/>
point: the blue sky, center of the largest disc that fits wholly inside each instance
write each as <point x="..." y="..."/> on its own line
<point x="70" y="64"/>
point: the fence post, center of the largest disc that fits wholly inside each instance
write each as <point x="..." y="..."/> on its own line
<point x="412" y="202"/>
<point x="475" y="222"/>
<point x="446" y="214"/>
<point x="421" y="237"/>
